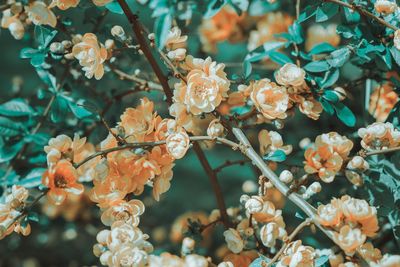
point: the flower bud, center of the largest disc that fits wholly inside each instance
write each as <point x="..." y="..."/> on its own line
<point x="57" y="48"/>
<point x="314" y="188"/>
<point x="67" y="44"/>
<point x="254" y="204"/>
<point x="151" y="36"/>
<point x="286" y="176"/>
<point x="118" y="32"/>
<point x="109" y="44"/>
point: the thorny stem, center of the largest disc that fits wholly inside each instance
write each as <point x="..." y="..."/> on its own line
<point x="364" y="13"/>
<point x="145" y="48"/>
<point x="290" y="238"/>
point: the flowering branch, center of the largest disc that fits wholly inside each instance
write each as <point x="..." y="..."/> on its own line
<point x="145" y="48"/>
<point x="363" y="12"/>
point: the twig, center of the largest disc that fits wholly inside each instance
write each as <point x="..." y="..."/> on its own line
<point x="290" y="238"/>
<point x="363" y="12"/>
<point x="382" y="151"/>
<point x="134" y="78"/>
<point x="229" y="163"/>
<point x="151" y="144"/>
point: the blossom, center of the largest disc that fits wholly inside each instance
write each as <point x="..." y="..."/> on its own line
<point x="271" y="141"/>
<point x="387" y="261"/>
<point x="340" y="144"/>
<point x="13" y="24"/>
<point x="194" y="260"/>
<point x="128" y="255"/>
<point x="205" y="88"/>
<point x="270" y="232"/>
<point x="324" y="161"/>
<point x="396" y="39"/>
<point x="64" y="4"/>
<point x="385" y="6"/>
<point x="379" y="135"/>
<point x="369" y="253"/>
<point x="215" y="129"/>
<point x="139" y="122"/>
<point x="225" y="25"/>
<point x="270" y="24"/>
<point x="308" y="106"/>
<point x="61" y="179"/>
<point x="63" y="146"/>
<point x="40" y="14"/>
<point x="165" y="259"/>
<point x="382" y="100"/>
<point x="234" y="240"/>
<point x="128" y="212"/>
<point x="91" y="56"/>
<point x="254" y="204"/>
<point x="175" y="44"/>
<point x="177" y="144"/>
<point x="286" y="176"/>
<point x="349" y="239"/>
<point x="358" y="210"/>
<point x="318" y="33"/>
<point x="290" y="75"/>
<point x="270" y="99"/>
<point x="297" y="255"/>
<point x="122" y="233"/>
<point x="330" y="214"/>
<point x="356" y="165"/>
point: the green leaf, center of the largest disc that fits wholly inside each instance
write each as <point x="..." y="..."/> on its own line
<point x="7" y="153"/>
<point x="317" y="66"/>
<point x="38" y="59"/>
<point x="10" y="128"/>
<point x="396" y="55"/>
<point x="28" y="52"/>
<point x="296" y="33"/>
<point x="78" y="110"/>
<point x="329" y="79"/>
<point x="307" y="13"/>
<point x="339" y="57"/>
<point x="345" y="114"/>
<point x="260" y="7"/>
<point x="162" y="26"/>
<point x="59" y="109"/>
<point x="44" y="35"/>
<point x="331" y="96"/>
<point x="277" y="155"/>
<point x="351" y="15"/>
<point x="33" y="178"/>
<point x="327" y="106"/>
<point x="15" y="108"/>
<point x="114" y="7"/>
<point x="326" y="11"/>
<point x="279" y="58"/>
<point x="322" y="48"/>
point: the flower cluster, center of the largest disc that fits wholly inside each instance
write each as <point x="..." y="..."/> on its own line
<point x="204" y="88"/>
<point x="296" y="254"/>
<point x="379" y="136"/>
<point x="353" y="220"/>
<point x="327" y="156"/>
<point x="11" y="209"/>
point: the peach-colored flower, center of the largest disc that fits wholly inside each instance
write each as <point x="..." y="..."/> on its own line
<point x="177" y="144"/>
<point x="40" y="14"/>
<point x="64" y="4"/>
<point x="396" y="39"/>
<point x="206" y="86"/>
<point x="318" y="33"/>
<point x="62" y="179"/>
<point x="385" y="6"/>
<point x="139" y="122"/>
<point x="175" y="44"/>
<point x="13" y="24"/>
<point x="387" y="261"/>
<point x="122" y="233"/>
<point x="271" y="141"/>
<point x="73" y="208"/>
<point x="234" y="240"/>
<point x="63" y="146"/>
<point x="359" y="211"/>
<point x="349" y="239"/>
<point x="128" y="212"/>
<point x="91" y="55"/>
<point x="101" y="2"/>
<point x="270" y="99"/>
<point x="307" y="105"/>
<point x="244" y="258"/>
<point x="369" y="253"/>
<point x="290" y="75"/>
<point x="379" y="135"/>
<point x="324" y="161"/>
<point x="128" y="255"/>
<point x="354" y="167"/>
<point x="161" y="183"/>
<point x="382" y="101"/>
<point x="269" y="25"/>
<point x="297" y="255"/>
<point x="270" y="232"/>
<point x="330" y="214"/>
<point x="225" y="25"/>
<point x="340" y="144"/>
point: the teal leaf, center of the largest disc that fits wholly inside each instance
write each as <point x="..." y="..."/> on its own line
<point x="10" y="128"/>
<point x="317" y="66"/>
<point x="7" y="153"/>
<point x="114" y="7"/>
<point x="331" y="96"/>
<point x="260" y="261"/>
<point x="327" y="106"/>
<point x="321" y="48"/>
<point x="345" y="114"/>
<point x="44" y="35"/>
<point x="59" y="109"/>
<point x="279" y="58"/>
<point x="28" y="52"/>
<point x="78" y="110"/>
<point x="326" y="11"/>
<point x="15" y="108"/>
<point x="277" y="156"/>
<point x="396" y="55"/>
<point x="213" y="8"/>
<point x="33" y="178"/>
<point x="38" y="59"/>
<point x="296" y="32"/>
<point x="339" y="57"/>
<point x="322" y="261"/>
